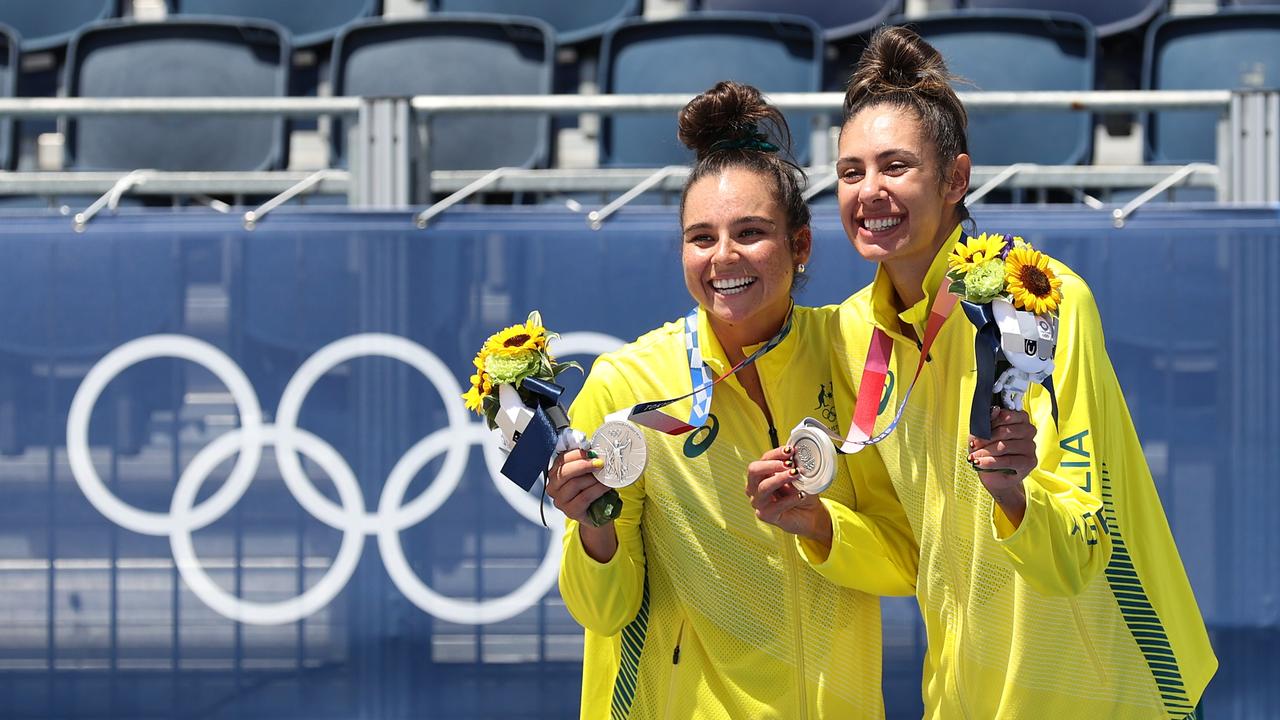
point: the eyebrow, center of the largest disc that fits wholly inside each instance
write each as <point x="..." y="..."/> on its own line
<point x="740" y="221"/>
<point x="887" y="153"/>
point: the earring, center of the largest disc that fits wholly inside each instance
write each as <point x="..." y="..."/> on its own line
<point x="800" y="268"/>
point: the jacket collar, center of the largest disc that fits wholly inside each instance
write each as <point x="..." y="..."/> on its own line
<point x="883" y="311"/>
<point x="713" y="354"/>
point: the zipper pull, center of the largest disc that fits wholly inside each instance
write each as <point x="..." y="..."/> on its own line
<point x="675" y="656"/>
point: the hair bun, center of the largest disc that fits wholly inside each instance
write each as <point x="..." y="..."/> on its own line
<point x="732" y="116"/>
<point x="896" y="60"/>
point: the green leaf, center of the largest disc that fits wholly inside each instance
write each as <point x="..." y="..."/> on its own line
<point x="559" y="367"/>
<point x="489" y="405"/>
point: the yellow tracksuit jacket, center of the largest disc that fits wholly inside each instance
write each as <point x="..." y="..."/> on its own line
<point x="1084" y="610"/>
<point x="704" y="611"/>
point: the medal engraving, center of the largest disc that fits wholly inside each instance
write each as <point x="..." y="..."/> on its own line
<point x="814" y="458"/>
<point x="621" y="445"/>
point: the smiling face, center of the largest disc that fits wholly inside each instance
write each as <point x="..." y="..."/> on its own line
<point x="739" y="255"/>
<point x="894" y="202"/>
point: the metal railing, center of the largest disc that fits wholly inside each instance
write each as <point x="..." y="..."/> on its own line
<point x="1245" y="170"/>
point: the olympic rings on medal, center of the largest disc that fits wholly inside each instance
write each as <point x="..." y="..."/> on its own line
<point x="392" y="515"/>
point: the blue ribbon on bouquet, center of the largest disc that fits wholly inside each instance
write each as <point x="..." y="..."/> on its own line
<point x="537" y="442"/>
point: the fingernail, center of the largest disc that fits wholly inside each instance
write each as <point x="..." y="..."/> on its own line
<point x="788" y="463"/>
<point x="794" y="471"/>
<point x="592" y="454"/>
<point x="598" y="463"/>
<point x="971" y="444"/>
<point x="787" y="449"/>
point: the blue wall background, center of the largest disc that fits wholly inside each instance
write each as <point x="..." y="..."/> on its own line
<point x="96" y="621"/>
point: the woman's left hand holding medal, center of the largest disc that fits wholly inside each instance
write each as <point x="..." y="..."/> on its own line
<point x="573" y="488"/>
<point x="778" y="502"/>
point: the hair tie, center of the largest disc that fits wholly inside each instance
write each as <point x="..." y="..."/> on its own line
<point x="751" y="139"/>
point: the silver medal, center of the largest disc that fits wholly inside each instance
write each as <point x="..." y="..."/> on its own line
<point x="621" y="445"/>
<point x="814" y="457"/>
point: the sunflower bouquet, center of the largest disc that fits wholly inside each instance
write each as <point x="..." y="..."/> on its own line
<point x="514" y="389"/>
<point x="508" y="357"/>
<point x="1012" y="294"/>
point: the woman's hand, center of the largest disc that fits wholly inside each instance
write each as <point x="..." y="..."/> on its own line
<point x="1006" y="459"/>
<point x="573" y="488"/>
<point x="571" y="485"/>
<point x="780" y="503"/>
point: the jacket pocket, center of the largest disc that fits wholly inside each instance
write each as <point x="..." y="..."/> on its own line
<point x="1083" y="631"/>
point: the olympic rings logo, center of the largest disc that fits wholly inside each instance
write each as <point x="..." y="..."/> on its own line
<point x="392" y="516"/>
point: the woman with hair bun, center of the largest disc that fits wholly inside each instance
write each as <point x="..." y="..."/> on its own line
<point x="1054" y="591"/>
<point x="698" y="601"/>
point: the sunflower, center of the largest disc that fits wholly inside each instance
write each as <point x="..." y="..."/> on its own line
<point x="973" y="252"/>
<point x="1031" y="282"/>
<point x="516" y="340"/>
<point x="481" y="385"/>
<point x="474" y="400"/>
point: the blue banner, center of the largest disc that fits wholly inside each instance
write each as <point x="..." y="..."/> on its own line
<point x="237" y="479"/>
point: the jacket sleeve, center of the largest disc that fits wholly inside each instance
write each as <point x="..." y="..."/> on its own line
<point x="604" y="597"/>
<point x="873" y="548"/>
<point x="1062" y="543"/>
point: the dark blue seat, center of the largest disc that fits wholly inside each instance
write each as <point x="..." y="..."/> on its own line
<point x="775" y="53"/>
<point x="1231" y="50"/>
<point x="310" y="22"/>
<point x="9" y="70"/>
<point x="837" y="19"/>
<point x="1109" y="17"/>
<point x="1019" y="51"/>
<point x="49" y="24"/>
<point x="178" y="58"/>
<point x="573" y="21"/>
<point x="475" y="55"/>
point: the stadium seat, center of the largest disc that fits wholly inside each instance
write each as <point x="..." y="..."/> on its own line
<point x="775" y="53"/>
<point x="178" y="58"/>
<point x="1109" y="17"/>
<point x="1019" y="51"/>
<point x="472" y="55"/>
<point x="574" y="22"/>
<point x="1244" y="48"/>
<point x="9" y="69"/>
<point x="837" y="19"/>
<point x="49" y="24"/>
<point x="311" y="23"/>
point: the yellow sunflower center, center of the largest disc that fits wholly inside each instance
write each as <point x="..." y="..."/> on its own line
<point x="516" y="341"/>
<point x="1035" y="281"/>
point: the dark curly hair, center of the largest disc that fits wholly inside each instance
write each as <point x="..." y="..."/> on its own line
<point x="732" y="125"/>
<point x="900" y="69"/>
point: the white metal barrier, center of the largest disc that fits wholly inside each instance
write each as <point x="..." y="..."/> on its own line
<point x="387" y="140"/>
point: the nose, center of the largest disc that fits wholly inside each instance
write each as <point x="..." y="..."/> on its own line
<point x="726" y="250"/>
<point x="871" y="188"/>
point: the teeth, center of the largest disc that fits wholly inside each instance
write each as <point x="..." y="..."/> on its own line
<point x="878" y="224"/>
<point x="732" y="286"/>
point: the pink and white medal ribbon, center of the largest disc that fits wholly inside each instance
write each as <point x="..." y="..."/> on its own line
<point x="812" y="441"/>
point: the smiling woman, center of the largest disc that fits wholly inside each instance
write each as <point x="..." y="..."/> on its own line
<point x="1036" y="591"/>
<point x="667" y="592"/>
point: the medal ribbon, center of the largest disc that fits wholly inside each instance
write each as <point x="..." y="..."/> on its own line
<point x="650" y="415"/>
<point x="874" y="372"/>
